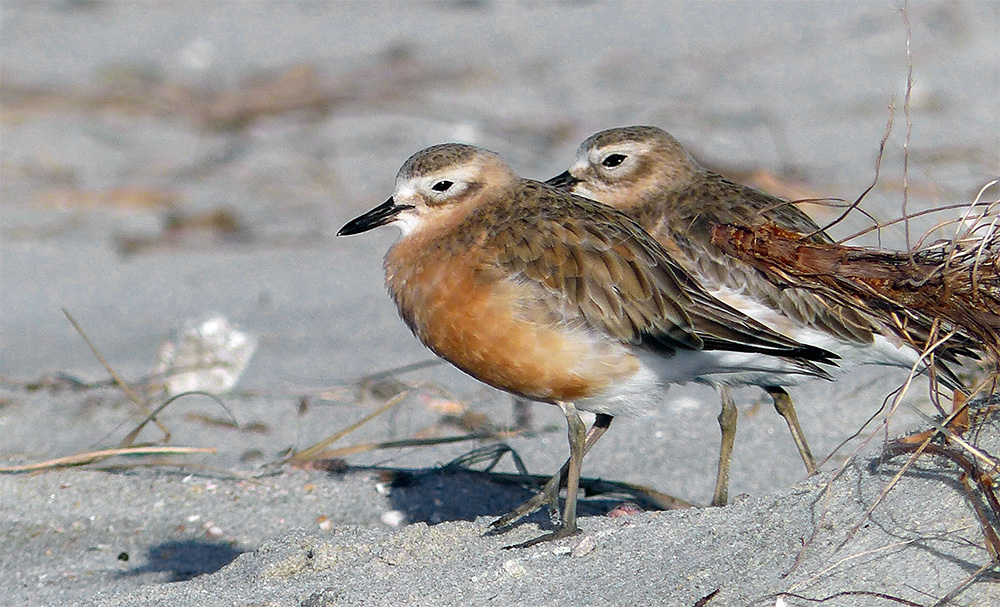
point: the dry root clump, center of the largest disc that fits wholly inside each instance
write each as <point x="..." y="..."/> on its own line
<point x="949" y="289"/>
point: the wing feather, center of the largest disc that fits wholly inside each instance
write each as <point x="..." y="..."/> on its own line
<point x="605" y="270"/>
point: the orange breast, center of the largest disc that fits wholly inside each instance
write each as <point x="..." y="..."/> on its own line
<point x="470" y="315"/>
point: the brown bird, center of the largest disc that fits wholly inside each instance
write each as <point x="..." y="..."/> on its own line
<point x="558" y="299"/>
<point x="646" y="173"/>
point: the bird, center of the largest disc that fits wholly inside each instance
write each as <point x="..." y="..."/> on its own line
<point x="646" y="173"/>
<point x="558" y="299"/>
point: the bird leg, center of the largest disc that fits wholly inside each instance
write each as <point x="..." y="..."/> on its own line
<point x="783" y="405"/>
<point x="550" y="492"/>
<point x="577" y="431"/>
<point x="727" y="423"/>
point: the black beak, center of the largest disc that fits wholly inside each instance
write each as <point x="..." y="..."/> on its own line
<point x="563" y="181"/>
<point x="379" y="216"/>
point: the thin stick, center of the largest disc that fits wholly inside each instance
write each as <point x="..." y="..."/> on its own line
<point x="118" y="379"/>
<point x="916" y="214"/>
<point x="946" y="599"/>
<point x="913" y="458"/>
<point x="396" y="444"/>
<point x="85" y="458"/>
<point x="909" y="126"/>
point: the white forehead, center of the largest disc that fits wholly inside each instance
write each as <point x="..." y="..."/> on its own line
<point x="581" y="164"/>
<point x="405" y="188"/>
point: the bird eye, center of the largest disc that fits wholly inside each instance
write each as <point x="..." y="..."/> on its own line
<point x="441" y="186"/>
<point x="612" y="160"/>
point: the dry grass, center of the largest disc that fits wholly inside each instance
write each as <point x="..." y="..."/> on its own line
<point x="127" y="446"/>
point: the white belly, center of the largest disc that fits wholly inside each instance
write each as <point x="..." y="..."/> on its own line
<point x="881" y="352"/>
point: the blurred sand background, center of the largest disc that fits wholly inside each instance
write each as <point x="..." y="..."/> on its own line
<point x="162" y="161"/>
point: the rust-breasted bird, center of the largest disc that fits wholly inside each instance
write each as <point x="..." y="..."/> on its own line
<point x="558" y="299"/>
<point x="645" y="172"/>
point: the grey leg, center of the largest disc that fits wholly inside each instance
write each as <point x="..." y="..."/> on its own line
<point x="784" y="407"/>
<point x="550" y="493"/>
<point x="727" y="423"/>
<point x="577" y="432"/>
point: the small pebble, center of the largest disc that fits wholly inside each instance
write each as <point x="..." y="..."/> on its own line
<point x="585" y="546"/>
<point x="514" y="568"/>
<point x="625" y="509"/>
<point x="393" y="518"/>
<point x="213" y="531"/>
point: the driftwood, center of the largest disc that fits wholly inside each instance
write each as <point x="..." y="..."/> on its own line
<point x="947" y="288"/>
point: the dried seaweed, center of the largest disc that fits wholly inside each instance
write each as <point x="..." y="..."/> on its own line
<point x="947" y="288"/>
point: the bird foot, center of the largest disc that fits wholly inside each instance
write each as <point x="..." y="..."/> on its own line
<point x="548" y="495"/>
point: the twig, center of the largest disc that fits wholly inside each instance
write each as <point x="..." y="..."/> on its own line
<point x="85" y="458"/>
<point x="909" y="124"/>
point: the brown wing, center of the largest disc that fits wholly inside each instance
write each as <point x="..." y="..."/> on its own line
<point x="611" y="274"/>
<point x="716" y="200"/>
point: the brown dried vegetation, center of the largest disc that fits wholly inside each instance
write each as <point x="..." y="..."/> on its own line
<point x="948" y="291"/>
